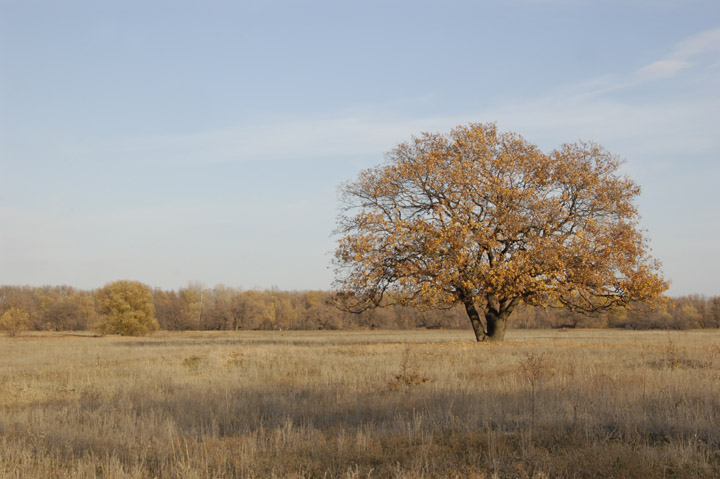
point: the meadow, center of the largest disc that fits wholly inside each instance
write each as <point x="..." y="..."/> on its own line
<point x="361" y="404"/>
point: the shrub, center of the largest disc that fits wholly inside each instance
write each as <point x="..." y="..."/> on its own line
<point x="126" y="308"/>
<point x="14" y="321"/>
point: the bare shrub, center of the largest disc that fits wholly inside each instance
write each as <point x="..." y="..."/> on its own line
<point x="408" y="375"/>
<point x="534" y="369"/>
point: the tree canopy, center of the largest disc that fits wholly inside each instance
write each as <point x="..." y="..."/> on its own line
<point x="126" y="308"/>
<point x="485" y="219"/>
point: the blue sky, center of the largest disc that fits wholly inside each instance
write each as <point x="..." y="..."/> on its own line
<point x="178" y="141"/>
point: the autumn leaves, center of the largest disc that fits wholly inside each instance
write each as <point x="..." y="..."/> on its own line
<point x="486" y="215"/>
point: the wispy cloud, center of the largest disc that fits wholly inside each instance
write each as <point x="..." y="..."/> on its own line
<point x="686" y="54"/>
<point x="339" y="135"/>
<point x="704" y="42"/>
<point x="702" y="49"/>
<point x="679" y="121"/>
<point x="659" y="69"/>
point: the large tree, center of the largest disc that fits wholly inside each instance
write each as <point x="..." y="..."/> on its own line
<point x="485" y="219"/>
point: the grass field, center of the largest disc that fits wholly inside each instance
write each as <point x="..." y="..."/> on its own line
<point x="400" y="404"/>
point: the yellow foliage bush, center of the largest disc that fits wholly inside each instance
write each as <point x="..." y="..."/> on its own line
<point x="127" y="309"/>
<point x="14" y="321"/>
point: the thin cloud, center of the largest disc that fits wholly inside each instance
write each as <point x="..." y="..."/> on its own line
<point x="702" y="49"/>
<point x="660" y="69"/>
<point x="686" y="54"/>
<point x="291" y="138"/>
<point x="697" y="45"/>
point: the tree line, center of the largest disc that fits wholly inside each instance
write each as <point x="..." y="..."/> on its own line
<point x="196" y="307"/>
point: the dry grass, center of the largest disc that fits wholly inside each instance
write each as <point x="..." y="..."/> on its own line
<point x="361" y="404"/>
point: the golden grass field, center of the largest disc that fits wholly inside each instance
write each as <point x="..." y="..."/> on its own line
<point x="395" y="404"/>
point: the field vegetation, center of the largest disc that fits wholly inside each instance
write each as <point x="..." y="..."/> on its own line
<point x="196" y="307"/>
<point x="358" y="404"/>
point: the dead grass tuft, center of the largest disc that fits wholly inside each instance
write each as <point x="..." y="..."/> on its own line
<point x="408" y="376"/>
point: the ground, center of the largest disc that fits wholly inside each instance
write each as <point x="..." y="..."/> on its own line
<point x="397" y="404"/>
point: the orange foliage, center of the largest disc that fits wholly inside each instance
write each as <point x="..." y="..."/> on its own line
<point x="484" y="218"/>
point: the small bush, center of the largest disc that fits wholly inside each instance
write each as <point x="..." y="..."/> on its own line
<point x="14" y="321"/>
<point x="234" y="359"/>
<point x="192" y="362"/>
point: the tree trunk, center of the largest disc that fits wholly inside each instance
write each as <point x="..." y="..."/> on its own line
<point x="475" y="320"/>
<point x="496" y="321"/>
<point x="496" y="326"/>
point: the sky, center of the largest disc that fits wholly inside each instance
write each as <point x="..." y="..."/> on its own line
<point x="204" y="141"/>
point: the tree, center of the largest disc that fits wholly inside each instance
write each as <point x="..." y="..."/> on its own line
<point x="715" y="311"/>
<point x="485" y="219"/>
<point x="20" y="297"/>
<point x="126" y="308"/>
<point x="169" y="308"/>
<point x="14" y="321"/>
<point x="72" y="312"/>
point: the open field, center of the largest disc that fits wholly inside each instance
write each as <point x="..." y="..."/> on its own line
<point x="401" y="404"/>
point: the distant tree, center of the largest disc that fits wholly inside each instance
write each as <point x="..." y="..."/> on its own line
<point x="169" y="310"/>
<point x="233" y="309"/>
<point x="250" y="310"/>
<point x="690" y="316"/>
<point x="715" y="311"/>
<point x="126" y="308"/>
<point x="193" y="297"/>
<point x="487" y="220"/>
<point x="318" y="313"/>
<point x="20" y="297"/>
<point x="616" y="317"/>
<point x="14" y="321"/>
<point x="70" y="313"/>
